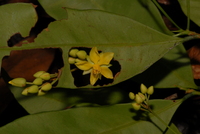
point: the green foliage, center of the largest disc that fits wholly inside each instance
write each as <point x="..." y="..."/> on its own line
<point x="127" y="8"/>
<point x="194" y="9"/>
<point x="89" y="120"/>
<point x="13" y="22"/>
<point x="145" y="49"/>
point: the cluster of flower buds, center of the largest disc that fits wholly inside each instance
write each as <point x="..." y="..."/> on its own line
<point x="141" y="99"/>
<point x="43" y="82"/>
<point x="76" y="56"/>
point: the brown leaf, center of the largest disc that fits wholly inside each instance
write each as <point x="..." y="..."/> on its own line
<point x="24" y="63"/>
<point x="194" y="55"/>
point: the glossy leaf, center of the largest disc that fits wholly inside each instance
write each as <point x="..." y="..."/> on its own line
<point x="194" y="9"/>
<point x="143" y="11"/>
<point x="107" y="119"/>
<point x="109" y="33"/>
<point x="91" y="27"/>
<point x="173" y="70"/>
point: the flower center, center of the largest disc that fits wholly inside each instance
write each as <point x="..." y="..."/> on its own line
<point x="96" y="69"/>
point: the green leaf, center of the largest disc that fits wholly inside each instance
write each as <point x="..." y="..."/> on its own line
<point x="194" y="9"/>
<point x="89" y="120"/>
<point x="13" y="22"/>
<point x="173" y="70"/>
<point x="174" y="128"/>
<point x="16" y="18"/>
<point x="143" y="11"/>
<point x="109" y="33"/>
<point x="59" y="99"/>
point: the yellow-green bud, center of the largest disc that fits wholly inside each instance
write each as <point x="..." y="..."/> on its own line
<point x="37" y="74"/>
<point x="73" y="52"/>
<point x="25" y="92"/>
<point x="32" y="89"/>
<point x="40" y="93"/>
<point x="78" y="60"/>
<point x="143" y="88"/>
<point x="138" y="99"/>
<point x="142" y="96"/>
<point x="18" y="82"/>
<point x="38" y="81"/>
<point x="136" y="106"/>
<point x="46" y="86"/>
<point x="45" y="76"/>
<point x="131" y="95"/>
<point x="71" y="60"/>
<point x="150" y="90"/>
<point x="81" y="54"/>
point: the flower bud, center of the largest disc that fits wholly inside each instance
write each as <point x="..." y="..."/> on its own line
<point x="18" y="82"/>
<point x="40" y="93"/>
<point x="78" y="60"/>
<point x="143" y="88"/>
<point x="71" y="60"/>
<point x="138" y="99"/>
<point x="142" y="96"/>
<point x="136" y="106"/>
<point x="25" y="92"/>
<point x="150" y="90"/>
<point x="32" y="89"/>
<point x="37" y="74"/>
<point x="131" y="95"/>
<point x="73" y="52"/>
<point x="46" y="86"/>
<point x="45" y="76"/>
<point x="81" y="54"/>
<point x="38" y="81"/>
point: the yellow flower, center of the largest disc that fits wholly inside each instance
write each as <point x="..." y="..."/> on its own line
<point x="97" y="64"/>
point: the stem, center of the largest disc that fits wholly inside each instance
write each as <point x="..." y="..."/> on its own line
<point x="29" y="83"/>
<point x="54" y="81"/>
<point x="182" y="33"/>
<point x="148" y="99"/>
<point x="53" y="75"/>
<point x="163" y="11"/>
<point x="188" y="14"/>
<point x="74" y="69"/>
<point x="188" y="38"/>
<point x="162" y="121"/>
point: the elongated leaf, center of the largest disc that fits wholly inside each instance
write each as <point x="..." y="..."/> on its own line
<point x="59" y="99"/>
<point x="109" y="33"/>
<point x="194" y="9"/>
<point x="143" y="11"/>
<point x="173" y="70"/>
<point x="107" y="119"/>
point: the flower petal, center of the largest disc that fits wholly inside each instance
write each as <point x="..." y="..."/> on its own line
<point x="87" y="71"/>
<point x="84" y="65"/>
<point x="106" y="72"/>
<point x="93" y="78"/>
<point x="94" y="55"/>
<point x="105" y="58"/>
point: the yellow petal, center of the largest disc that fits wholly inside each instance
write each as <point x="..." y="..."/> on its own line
<point x="84" y="65"/>
<point x="106" y="72"/>
<point x="87" y="71"/>
<point x="93" y="78"/>
<point x="94" y="55"/>
<point x="105" y="58"/>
